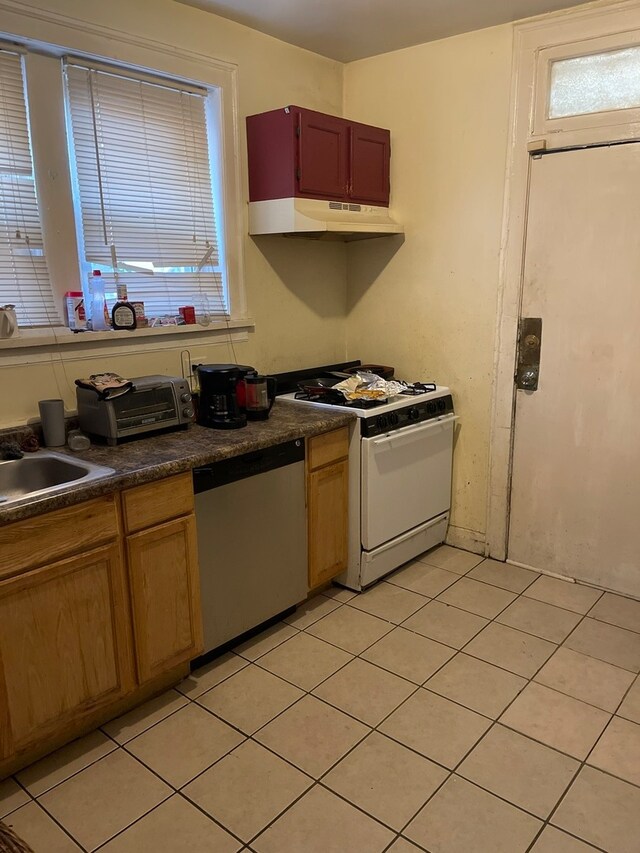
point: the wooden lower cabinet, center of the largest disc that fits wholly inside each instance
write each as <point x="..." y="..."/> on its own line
<point x="327" y="505"/>
<point x="65" y="645"/>
<point x="165" y="596"/>
<point x="327" y="497"/>
<point x="88" y="631"/>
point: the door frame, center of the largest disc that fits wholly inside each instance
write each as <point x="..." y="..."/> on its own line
<point x="584" y="24"/>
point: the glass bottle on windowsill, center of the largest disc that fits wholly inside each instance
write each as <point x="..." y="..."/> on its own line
<point x="123" y="314"/>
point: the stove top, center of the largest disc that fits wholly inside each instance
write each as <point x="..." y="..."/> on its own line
<point x="418" y="402"/>
<point x="366" y="408"/>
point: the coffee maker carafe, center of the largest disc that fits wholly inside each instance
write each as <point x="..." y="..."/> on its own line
<point x="260" y="395"/>
<point x="219" y="407"/>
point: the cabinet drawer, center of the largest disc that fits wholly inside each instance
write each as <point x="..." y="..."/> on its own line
<point x="156" y="502"/>
<point x="45" y="538"/>
<point x="328" y="447"/>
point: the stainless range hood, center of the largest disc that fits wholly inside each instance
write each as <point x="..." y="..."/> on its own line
<point x="320" y="220"/>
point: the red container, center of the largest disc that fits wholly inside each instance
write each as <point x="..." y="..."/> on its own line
<point x="188" y="314"/>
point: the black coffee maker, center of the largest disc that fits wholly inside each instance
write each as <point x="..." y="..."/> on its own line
<point x="219" y="406"/>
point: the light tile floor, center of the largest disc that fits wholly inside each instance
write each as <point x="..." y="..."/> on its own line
<point x="460" y="706"/>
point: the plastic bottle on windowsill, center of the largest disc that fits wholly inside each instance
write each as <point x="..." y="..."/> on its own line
<point x="99" y="321"/>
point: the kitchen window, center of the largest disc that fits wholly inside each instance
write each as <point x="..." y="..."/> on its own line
<point x="142" y="191"/>
<point x="24" y="276"/>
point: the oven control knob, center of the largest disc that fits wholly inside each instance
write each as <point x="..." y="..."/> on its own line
<point x="186" y="397"/>
<point x="393" y="419"/>
<point x="187" y="412"/>
<point x="413" y="414"/>
<point x="381" y="422"/>
<point x="441" y="405"/>
<point x="431" y="408"/>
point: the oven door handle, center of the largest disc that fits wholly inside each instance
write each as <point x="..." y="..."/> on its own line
<point x="410" y="432"/>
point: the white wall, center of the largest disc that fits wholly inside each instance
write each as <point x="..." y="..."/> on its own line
<point x="296" y="292"/>
<point x="427" y="304"/>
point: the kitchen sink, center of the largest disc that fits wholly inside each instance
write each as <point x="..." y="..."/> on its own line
<point x="43" y="473"/>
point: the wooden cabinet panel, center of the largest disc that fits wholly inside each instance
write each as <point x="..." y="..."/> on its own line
<point x="370" y="153"/>
<point x="328" y="447"/>
<point x="272" y="146"/>
<point x="328" y="519"/>
<point x="46" y="538"/>
<point x="64" y="642"/>
<point x="165" y="596"/>
<point x="153" y="503"/>
<point x="322" y="155"/>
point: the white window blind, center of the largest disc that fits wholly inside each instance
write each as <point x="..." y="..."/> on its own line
<point x="144" y="188"/>
<point x="24" y="279"/>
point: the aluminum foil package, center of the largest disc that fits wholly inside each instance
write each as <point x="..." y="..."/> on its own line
<point x="368" y="386"/>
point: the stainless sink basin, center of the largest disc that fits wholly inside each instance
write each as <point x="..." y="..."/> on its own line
<point x="44" y="473"/>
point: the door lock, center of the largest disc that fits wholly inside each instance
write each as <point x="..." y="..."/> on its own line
<point x="530" y="340"/>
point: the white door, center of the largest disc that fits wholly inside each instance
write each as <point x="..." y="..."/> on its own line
<point x="575" y="492"/>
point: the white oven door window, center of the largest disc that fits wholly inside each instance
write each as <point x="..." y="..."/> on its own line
<point x="406" y="479"/>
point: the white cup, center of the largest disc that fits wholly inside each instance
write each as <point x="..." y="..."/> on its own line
<point x="8" y="321"/>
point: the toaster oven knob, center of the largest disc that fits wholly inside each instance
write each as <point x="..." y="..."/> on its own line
<point x="187" y="412"/>
<point x="186" y="397"/>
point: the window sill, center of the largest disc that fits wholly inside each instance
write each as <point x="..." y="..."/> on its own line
<point x="61" y="336"/>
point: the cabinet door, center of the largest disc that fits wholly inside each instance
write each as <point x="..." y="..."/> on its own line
<point x="165" y="595"/>
<point x="328" y="515"/>
<point x="370" y="154"/>
<point x="323" y="148"/>
<point x="64" y="645"/>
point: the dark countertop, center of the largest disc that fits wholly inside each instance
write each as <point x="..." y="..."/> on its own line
<point x="143" y="460"/>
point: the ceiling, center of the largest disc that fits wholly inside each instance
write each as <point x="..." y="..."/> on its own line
<point x="353" y="29"/>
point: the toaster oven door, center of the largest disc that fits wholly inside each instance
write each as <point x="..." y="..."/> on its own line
<point x="145" y="406"/>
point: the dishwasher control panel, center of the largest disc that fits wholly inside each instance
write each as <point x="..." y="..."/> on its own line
<point x="225" y="471"/>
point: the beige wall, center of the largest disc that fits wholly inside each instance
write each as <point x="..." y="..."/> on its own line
<point x="296" y="292"/>
<point x="427" y="304"/>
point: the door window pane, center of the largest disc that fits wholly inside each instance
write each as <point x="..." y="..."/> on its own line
<point x="595" y="83"/>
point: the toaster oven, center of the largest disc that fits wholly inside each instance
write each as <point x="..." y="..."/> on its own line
<point x="153" y="403"/>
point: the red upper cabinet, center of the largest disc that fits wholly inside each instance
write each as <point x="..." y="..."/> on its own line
<point x="370" y="153"/>
<point x="323" y="147"/>
<point x="295" y="152"/>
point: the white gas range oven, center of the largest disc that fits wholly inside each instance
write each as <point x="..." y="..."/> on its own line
<point x="400" y="459"/>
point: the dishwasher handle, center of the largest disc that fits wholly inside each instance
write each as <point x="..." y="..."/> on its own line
<point x="216" y="474"/>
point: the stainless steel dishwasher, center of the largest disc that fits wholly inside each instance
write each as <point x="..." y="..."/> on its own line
<point x="252" y="539"/>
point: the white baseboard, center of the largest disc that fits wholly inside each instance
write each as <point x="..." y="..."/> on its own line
<point x="468" y="540"/>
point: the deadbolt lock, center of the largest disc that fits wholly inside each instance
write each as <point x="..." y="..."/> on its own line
<point x="528" y="367"/>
